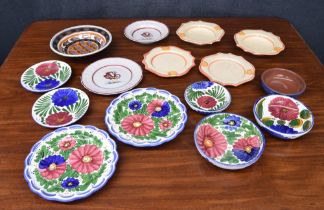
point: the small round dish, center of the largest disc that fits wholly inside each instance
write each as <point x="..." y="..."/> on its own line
<point x="283" y="82"/>
<point x="146" y="117"/>
<point x="60" y="107"/>
<point x="229" y="141"/>
<point x="207" y="97"/>
<point x="80" y="41"/>
<point x="227" y="69"/>
<point x="46" y="76"/>
<point x="146" y="31"/>
<point x="71" y="163"/>
<point x="283" y="117"/>
<point x="259" y="42"/>
<point x="111" y="76"/>
<point x="200" y="32"/>
<point x="168" y="61"/>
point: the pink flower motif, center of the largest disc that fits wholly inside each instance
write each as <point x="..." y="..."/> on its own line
<point x="212" y="142"/>
<point x="207" y="102"/>
<point x="247" y="144"/>
<point x="52" y="167"/>
<point x="138" y="124"/>
<point x="165" y="124"/>
<point x="47" y="69"/>
<point x="283" y="108"/>
<point x="67" y="143"/>
<point x="86" y="159"/>
<point x="155" y="106"/>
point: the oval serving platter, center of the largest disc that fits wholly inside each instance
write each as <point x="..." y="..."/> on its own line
<point x="46" y="76"/>
<point x="111" y="76"/>
<point x="229" y="141"/>
<point x="207" y="97"/>
<point x="283" y="116"/>
<point x="146" y="117"/>
<point x="71" y="163"/>
<point x="60" y="107"/>
<point x="80" y="41"/>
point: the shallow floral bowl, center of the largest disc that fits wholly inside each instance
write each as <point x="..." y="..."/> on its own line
<point x="71" y="163"/>
<point x="146" y="117"/>
<point x="283" y="117"/>
<point x="207" y="97"/>
<point x="80" y="41"/>
<point x="229" y="141"/>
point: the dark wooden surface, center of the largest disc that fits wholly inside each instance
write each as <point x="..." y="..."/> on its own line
<point x="289" y="175"/>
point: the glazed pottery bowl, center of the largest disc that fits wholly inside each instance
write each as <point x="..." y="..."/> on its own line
<point x="283" y="116"/>
<point x="283" y="82"/>
<point x="80" y="41"/>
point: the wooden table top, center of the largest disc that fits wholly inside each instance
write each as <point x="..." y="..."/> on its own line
<point x="289" y="174"/>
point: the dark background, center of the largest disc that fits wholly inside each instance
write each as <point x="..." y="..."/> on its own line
<point x="306" y="15"/>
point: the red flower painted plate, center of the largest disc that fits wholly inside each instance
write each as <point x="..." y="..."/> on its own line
<point x="60" y="107"/>
<point x="229" y="141"/>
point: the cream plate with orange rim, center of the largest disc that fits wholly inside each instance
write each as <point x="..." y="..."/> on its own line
<point x="200" y="32"/>
<point x="168" y="61"/>
<point x="227" y="69"/>
<point x="259" y="42"/>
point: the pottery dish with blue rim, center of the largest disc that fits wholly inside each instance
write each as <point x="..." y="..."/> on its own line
<point x="80" y="41"/>
<point x="71" y="163"/>
<point x="146" y="117"/>
<point x="283" y="116"/>
<point x="229" y="141"/>
<point x="207" y="97"/>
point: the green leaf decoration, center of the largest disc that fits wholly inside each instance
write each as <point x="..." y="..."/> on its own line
<point x="216" y="120"/>
<point x="259" y="109"/>
<point x="107" y="154"/>
<point x="296" y="123"/>
<point x="231" y="136"/>
<point x="43" y="106"/>
<point x="42" y="153"/>
<point x="268" y="121"/>
<point x="305" y="114"/>
<point x="193" y="95"/>
<point x="217" y="92"/>
<point x="30" y="78"/>
<point x="54" y="143"/>
<point x="281" y="122"/>
<point x="230" y="158"/>
<point x="307" y="125"/>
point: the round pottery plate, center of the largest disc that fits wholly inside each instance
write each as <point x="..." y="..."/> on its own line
<point x="71" y="163"/>
<point x="168" y="61"/>
<point x="229" y="141"/>
<point x="200" y="32"/>
<point x="207" y="97"/>
<point x="259" y="42"/>
<point x="227" y="69"/>
<point x="60" y="107"/>
<point x="283" y="117"/>
<point x="46" y="76"/>
<point x="146" y="117"/>
<point x="146" y="31"/>
<point x="111" y="76"/>
<point x="80" y="41"/>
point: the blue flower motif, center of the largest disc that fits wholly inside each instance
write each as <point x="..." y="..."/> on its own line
<point x="232" y="122"/>
<point x="64" y="97"/>
<point x="70" y="183"/>
<point x="47" y="84"/>
<point x="201" y="85"/>
<point x="135" y="105"/>
<point x="56" y="159"/>
<point x="246" y="156"/>
<point x="283" y="129"/>
<point x="165" y="110"/>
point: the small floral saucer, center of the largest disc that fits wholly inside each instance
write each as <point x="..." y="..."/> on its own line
<point x="46" y="76"/>
<point x="229" y="141"/>
<point x="283" y="117"/>
<point x="207" y="97"/>
<point x="146" y="117"/>
<point x="71" y="163"/>
<point x="60" y="107"/>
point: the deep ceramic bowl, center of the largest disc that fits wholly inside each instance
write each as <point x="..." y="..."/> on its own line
<point x="283" y="82"/>
<point x="80" y="41"/>
<point x="283" y="117"/>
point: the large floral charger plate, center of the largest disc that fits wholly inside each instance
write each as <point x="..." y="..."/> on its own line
<point x="46" y="76"/>
<point x="229" y="141"/>
<point x="146" y="117"/>
<point x="71" y="163"/>
<point x="283" y="116"/>
<point x="60" y="107"/>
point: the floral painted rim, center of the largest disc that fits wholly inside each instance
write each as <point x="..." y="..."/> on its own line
<point x="36" y="76"/>
<point x="228" y="166"/>
<point x="52" y="197"/>
<point x="203" y="111"/>
<point x="70" y="109"/>
<point x="115" y="133"/>
<point x="274" y="132"/>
